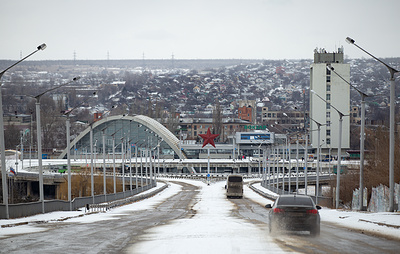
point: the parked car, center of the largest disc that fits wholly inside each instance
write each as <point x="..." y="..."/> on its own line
<point x="294" y="213"/>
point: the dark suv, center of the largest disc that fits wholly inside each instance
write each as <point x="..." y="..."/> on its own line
<point x="294" y="212"/>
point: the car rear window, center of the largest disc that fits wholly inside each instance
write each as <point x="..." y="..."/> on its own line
<point x="235" y="179"/>
<point x="296" y="200"/>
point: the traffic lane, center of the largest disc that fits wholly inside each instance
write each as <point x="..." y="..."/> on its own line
<point x="110" y="235"/>
<point x="333" y="238"/>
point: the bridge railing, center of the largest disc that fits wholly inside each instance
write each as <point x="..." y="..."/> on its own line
<point x="32" y="208"/>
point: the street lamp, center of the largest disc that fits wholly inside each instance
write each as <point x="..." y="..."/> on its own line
<point x="123" y="165"/>
<point x="341" y="115"/>
<point x="104" y="164"/>
<point x="318" y="152"/>
<point x="2" y="145"/>
<point x="362" y="135"/>
<point x="68" y="127"/>
<point x="39" y="137"/>
<point x="113" y="151"/>
<point x="392" y="71"/>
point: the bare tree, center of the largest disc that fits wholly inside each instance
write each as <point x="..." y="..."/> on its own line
<point x="217" y="121"/>
<point x="172" y="121"/>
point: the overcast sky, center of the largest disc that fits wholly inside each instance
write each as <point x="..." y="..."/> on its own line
<point x="197" y="29"/>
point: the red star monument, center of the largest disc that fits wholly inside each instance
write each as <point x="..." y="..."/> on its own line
<point x="208" y="138"/>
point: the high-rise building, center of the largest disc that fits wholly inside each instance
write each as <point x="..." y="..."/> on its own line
<point x="336" y="93"/>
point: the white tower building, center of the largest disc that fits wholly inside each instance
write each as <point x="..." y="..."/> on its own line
<point x="336" y="93"/>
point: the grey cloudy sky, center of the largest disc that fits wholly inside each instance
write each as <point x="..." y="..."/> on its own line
<point x="197" y="29"/>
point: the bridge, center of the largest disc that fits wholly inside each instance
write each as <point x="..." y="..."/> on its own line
<point x="278" y="180"/>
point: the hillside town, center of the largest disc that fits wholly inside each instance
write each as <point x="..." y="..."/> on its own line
<point x="183" y="95"/>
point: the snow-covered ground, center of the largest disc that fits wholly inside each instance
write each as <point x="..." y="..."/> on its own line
<point x="211" y="225"/>
<point x="385" y="223"/>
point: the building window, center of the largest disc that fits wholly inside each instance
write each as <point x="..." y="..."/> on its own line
<point x="328" y="141"/>
<point x="328" y="114"/>
<point x="328" y="78"/>
<point x="328" y="96"/>
<point x="328" y="123"/>
<point x="328" y="88"/>
<point x="328" y="72"/>
<point x="328" y="105"/>
<point x="328" y="132"/>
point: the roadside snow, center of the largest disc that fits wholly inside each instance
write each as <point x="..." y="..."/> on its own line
<point x="387" y="224"/>
<point x="211" y="220"/>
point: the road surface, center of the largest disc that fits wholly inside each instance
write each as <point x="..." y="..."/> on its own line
<point x="163" y="226"/>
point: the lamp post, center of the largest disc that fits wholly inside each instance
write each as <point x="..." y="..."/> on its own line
<point x="339" y="149"/>
<point x="69" y="158"/>
<point x="91" y="162"/>
<point x="362" y="135"/>
<point x="104" y="163"/>
<point x="113" y="151"/>
<point x="123" y="165"/>
<point x="130" y="156"/>
<point x="392" y="71"/>
<point x="306" y="164"/>
<point x="2" y="145"/>
<point x="68" y="127"/>
<point x="297" y="164"/>
<point x="136" y="167"/>
<point x="39" y="137"/>
<point x="318" y="149"/>
<point x="130" y="165"/>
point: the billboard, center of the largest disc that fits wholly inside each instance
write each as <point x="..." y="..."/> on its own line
<point x="255" y="137"/>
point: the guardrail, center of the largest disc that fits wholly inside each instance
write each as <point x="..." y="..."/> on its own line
<point x="322" y="200"/>
<point x="32" y="208"/>
<point x="102" y="207"/>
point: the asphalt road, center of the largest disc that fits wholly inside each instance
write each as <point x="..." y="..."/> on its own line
<point x="333" y="239"/>
<point x="125" y="229"/>
<point x="104" y="236"/>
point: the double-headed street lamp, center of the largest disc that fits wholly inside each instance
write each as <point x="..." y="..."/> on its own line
<point x="392" y="71"/>
<point x="2" y="145"/>
<point x="362" y="135"/>
<point x="341" y="115"/>
<point x="39" y="137"/>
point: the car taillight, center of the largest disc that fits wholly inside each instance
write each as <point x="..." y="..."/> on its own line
<point x="312" y="211"/>
<point x="278" y="210"/>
